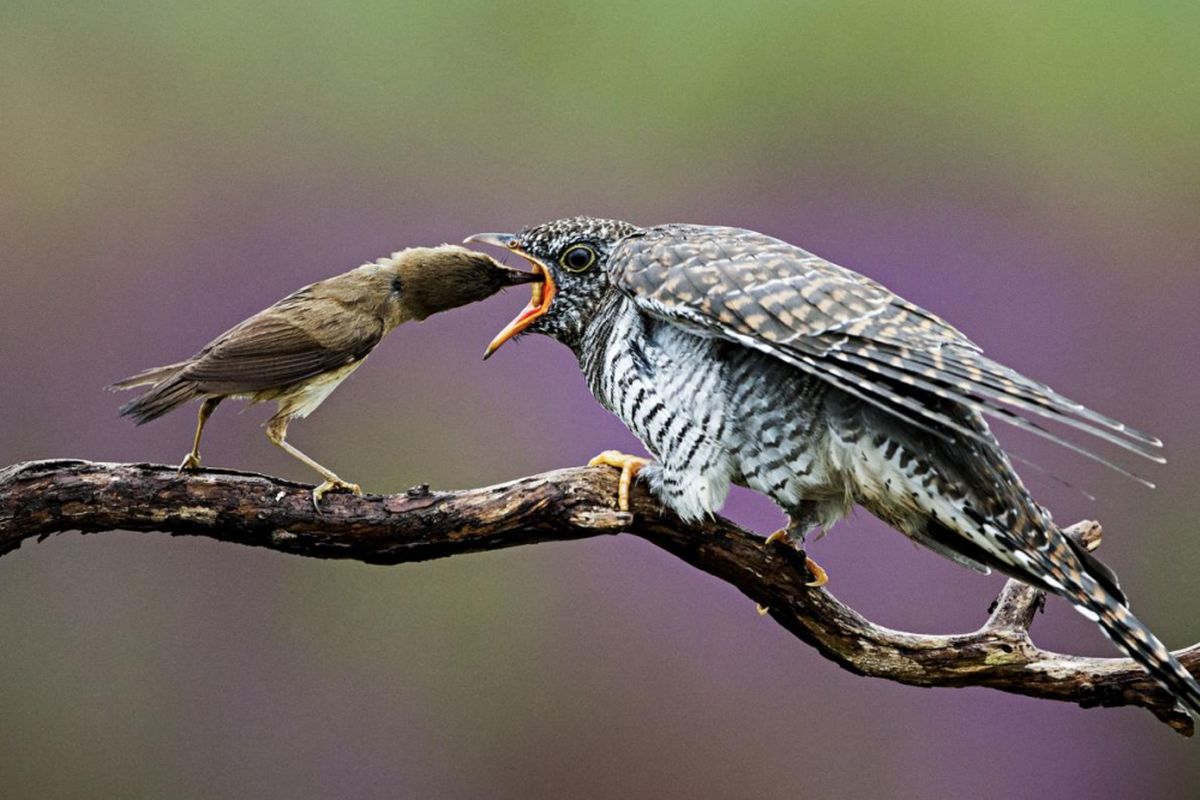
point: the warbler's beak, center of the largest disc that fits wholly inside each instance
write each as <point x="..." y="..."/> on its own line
<point x="515" y="277"/>
<point x="505" y="240"/>
<point x="541" y="294"/>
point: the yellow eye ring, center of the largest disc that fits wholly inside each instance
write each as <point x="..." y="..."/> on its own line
<point x="577" y="258"/>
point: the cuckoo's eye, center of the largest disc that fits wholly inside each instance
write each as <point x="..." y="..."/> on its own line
<point x="578" y="258"/>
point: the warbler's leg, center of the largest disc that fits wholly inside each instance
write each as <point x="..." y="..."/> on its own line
<point x="277" y="433"/>
<point x="629" y="466"/>
<point x="192" y="461"/>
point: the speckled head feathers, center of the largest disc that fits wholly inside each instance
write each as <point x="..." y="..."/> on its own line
<point x="555" y="236"/>
<point x="580" y="286"/>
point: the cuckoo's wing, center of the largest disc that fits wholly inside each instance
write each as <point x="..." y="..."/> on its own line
<point x="843" y="327"/>
<point x="275" y="347"/>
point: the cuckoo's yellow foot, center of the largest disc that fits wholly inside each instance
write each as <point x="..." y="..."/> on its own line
<point x="820" y="576"/>
<point x="629" y="466"/>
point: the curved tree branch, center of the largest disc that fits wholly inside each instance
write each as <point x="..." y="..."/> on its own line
<point x="41" y="498"/>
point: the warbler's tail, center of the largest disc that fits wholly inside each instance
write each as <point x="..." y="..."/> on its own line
<point x="169" y="391"/>
<point x="147" y="377"/>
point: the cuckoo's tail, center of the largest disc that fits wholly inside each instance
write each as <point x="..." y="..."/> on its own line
<point x="1128" y="633"/>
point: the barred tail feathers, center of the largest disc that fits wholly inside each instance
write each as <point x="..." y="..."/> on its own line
<point x="1129" y="634"/>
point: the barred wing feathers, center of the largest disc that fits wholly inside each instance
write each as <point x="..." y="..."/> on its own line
<point x="844" y="327"/>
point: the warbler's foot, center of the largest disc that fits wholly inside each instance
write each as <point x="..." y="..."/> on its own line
<point x="192" y="461"/>
<point x="334" y="485"/>
<point x="629" y="466"/>
<point x="820" y="576"/>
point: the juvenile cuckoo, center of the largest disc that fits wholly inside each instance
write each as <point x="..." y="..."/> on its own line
<point x="738" y="358"/>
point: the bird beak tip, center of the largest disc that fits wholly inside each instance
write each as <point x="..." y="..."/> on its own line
<point x="495" y="239"/>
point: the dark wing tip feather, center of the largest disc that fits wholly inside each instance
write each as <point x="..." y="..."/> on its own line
<point x="1009" y="416"/>
<point x="847" y="329"/>
<point x="969" y="373"/>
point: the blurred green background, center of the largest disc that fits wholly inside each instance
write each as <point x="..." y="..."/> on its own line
<point x="1028" y="170"/>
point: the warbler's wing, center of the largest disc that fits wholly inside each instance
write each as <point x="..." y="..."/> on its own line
<point x="298" y="338"/>
<point x="843" y="327"/>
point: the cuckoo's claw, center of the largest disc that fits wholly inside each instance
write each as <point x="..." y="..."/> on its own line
<point x="777" y="536"/>
<point x="629" y="466"/>
<point x="333" y="485"/>
<point x="820" y="576"/>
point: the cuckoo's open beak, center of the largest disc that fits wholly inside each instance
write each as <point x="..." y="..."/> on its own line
<point x="541" y="295"/>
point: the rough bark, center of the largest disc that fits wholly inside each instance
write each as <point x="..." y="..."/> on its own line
<point x="41" y="498"/>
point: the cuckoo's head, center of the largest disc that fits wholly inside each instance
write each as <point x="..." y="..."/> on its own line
<point x="572" y="256"/>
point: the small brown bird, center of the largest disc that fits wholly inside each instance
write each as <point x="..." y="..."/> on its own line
<point x="297" y="351"/>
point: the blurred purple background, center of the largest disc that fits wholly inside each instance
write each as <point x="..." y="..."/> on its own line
<point x="1029" y="173"/>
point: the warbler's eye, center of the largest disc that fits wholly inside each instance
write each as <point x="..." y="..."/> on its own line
<point x="578" y="258"/>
